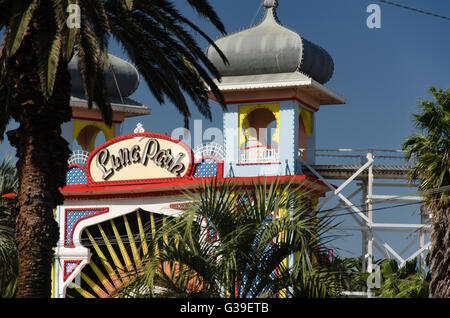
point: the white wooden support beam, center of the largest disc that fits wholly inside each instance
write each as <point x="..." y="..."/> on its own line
<point x="419" y="251"/>
<point x="389" y="248"/>
<point x="343" y="185"/>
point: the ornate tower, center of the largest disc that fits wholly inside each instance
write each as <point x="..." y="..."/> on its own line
<point x="273" y="86"/>
<point x="122" y="80"/>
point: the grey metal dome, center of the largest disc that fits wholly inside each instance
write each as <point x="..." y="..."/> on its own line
<point x="269" y="48"/>
<point x="122" y="78"/>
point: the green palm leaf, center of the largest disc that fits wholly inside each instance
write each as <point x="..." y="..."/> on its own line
<point x="228" y="241"/>
<point x="8" y="255"/>
<point x="22" y="12"/>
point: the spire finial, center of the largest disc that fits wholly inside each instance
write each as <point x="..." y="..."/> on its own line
<point x="270" y="3"/>
<point x="271" y="12"/>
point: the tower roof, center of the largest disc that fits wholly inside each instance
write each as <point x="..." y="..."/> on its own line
<point x="271" y="48"/>
<point x="122" y="80"/>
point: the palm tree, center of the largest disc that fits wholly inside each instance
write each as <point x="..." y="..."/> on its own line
<point x="401" y="282"/>
<point x="35" y="91"/>
<point x="430" y="152"/>
<point x="233" y="241"/>
<point x="349" y="272"/>
<point x="8" y="255"/>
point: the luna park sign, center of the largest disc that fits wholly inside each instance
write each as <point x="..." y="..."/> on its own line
<point x="138" y="157"/>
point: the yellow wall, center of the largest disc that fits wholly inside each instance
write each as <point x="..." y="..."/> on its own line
<point x="85" y="132"/>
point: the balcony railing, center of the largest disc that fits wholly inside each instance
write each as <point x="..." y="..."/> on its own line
<point x="259" y="154"/>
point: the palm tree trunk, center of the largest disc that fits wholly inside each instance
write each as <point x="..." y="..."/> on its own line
<point x="439" y="254"/>
<point x="42" y="163"/>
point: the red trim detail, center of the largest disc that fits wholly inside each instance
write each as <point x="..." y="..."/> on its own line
<point x="8" y="195"/>
<point x="140" y="181"/>
<point x="260" y="146"/>
<point x="72" y="197"/>
<point x="66" y="239"/>
<point x="170" y="189"/>
<point x="313" y="108"/>
<point x="258" y="163"/>
<point x="220" y="171"/>
<point x="176" y="206"/>
<point x="67" y="274"/>
<point x="131" y="182"/>
<point x="77" y="166"/>
<point x="97" y="120"/>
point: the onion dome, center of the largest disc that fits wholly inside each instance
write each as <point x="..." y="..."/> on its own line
<point x="122" y="78"/>
<point x="270" y="48"/>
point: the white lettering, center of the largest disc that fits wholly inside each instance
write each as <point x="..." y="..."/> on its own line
<point x="374" y="279"/>
<point x="126" y="157"/>
<point x="374" y="20"/>
<point x="74" y="19"/>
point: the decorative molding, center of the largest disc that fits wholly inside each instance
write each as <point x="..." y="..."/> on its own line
<point x="69" y="267"/>
<point x="258" y="163"/>
<point x="180" y="206"/>
<point x="139" y="128"/>
<point x="265" y="100"/>
<point x="72" y="216"/>
<point x="98" y="120"/>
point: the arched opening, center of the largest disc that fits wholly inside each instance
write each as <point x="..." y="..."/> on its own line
<point x="86" y="137"/>
<point x="119" y="248"/>
<point x="88" y="134"/>
<point x="260" y="129"/>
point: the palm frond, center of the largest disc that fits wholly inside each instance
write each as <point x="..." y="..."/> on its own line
<point x="92" y="65"/>
<point x="236" y="241"/>
<point x="429" y="148"/>
<point x="22" y="13"/>
<point x="170" y="67"/>
<point x="8" y="254"/>
<point x="48" y="35"/>
<point x="95" y="13"/>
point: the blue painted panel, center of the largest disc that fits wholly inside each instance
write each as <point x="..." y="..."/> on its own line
<point x="206" y="168"/>
<point x="76" y="176"/>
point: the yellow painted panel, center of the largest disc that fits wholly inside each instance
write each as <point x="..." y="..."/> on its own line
<point x="97" y="289"/>
<point x="106" y="283"/>
<point x="108" y="267"/>
<point x="115" y="258"/>
<point x="132" y="241"/>
<point x="306" y="117"/>
<point x="79" y="125"/>
<point x="144" y="245"/>
<point x="82" y="292"/>
<point x="122" y="248"/>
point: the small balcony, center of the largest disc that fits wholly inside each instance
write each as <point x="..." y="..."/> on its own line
<point x="259" y="154"/>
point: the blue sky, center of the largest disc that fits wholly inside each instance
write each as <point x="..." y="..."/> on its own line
<point x="382" y="73"/>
